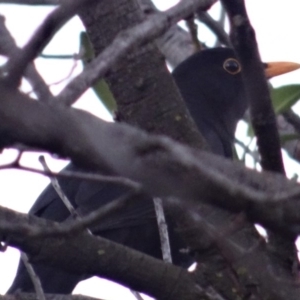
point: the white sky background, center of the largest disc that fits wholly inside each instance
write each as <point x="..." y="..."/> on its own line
<point x="276" y="24"/>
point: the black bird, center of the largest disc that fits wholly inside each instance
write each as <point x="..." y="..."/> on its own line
<point x="211" y="85"/>
<point x="210" y="82"/>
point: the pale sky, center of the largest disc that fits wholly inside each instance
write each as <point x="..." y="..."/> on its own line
<point x="276" y="24"/>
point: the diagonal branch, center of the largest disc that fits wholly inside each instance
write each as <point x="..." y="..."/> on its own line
<point x="153" y="27"/>
<point x="54" y="21"/>
<point x="34" y="277"/>
<point x="105" y="259"/>
<point x="8" y="48"/>
<point x="215" y="27"/>
<point x="157" y="163"/>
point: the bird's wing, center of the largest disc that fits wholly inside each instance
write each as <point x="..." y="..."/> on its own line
<point x="87" y="196"/>
<point x="138" y="211"/>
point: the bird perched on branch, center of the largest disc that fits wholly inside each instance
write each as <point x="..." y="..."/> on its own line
<point x="211" y="85"/>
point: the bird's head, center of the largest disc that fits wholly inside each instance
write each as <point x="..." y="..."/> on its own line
<point x="211" y="84"/>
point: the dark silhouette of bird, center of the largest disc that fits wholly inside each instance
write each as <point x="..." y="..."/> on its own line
<point x="211" y="85"/>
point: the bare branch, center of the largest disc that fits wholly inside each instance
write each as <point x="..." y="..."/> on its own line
<point x="176" y="43"/>
<point x="75" y="226"/>
<point x="104" y="258"/>
<point x="59" y="190"/>
<point x="8" y="48"/>
<point x="54" y="21"/>
<point x="153" y="27"/>
<point x="251" y="263"/>
<point x="136" y="295"/>
<point x="262" y="113"/>
<point x="163" y="230"/>
<point x="265" y="198"/>
<point x="74" y="174"/>
<point x="215" y="27"/>
<point x="193" y="30"/>
<point x="33" y="276"/>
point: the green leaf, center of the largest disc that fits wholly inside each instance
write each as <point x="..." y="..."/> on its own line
<point x="86" y="48"/>
<point x="250" y="131"/>
<point x="103" y="92"/>
<point x="100" y="88"/>
<point x="285" y="97"/>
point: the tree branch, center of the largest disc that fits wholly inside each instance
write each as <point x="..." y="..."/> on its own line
<point x="9" y="48"/>
<point x="262" y="113"/>
<point x="153" y="27"/>
<point x="53" y="22"/>
<point x="148" y="159"/>
<point x="103" y="258"/>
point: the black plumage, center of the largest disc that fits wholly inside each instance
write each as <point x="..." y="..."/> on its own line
<point x="211" y="84"/>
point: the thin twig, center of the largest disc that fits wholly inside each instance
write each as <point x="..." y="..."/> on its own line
<point x="136" y="294"/>
<point x="247" y="150"/>
<point x="75" y="174"/>
<point x="68" y="76"/>
<point x="74" y="226"/>
<point x="93" y="217"/>
<point x="34" y="277"/>
<point x="215" y="27"/>
<point x="59" y="190"/>
<point x="193" y="29"/>
<point x="163" y="230"/>
<point x="58" y="56"/>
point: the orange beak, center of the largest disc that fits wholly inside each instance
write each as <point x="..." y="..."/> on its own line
<point x="278" y="68"/>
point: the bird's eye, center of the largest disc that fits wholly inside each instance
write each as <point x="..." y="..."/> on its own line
<point x="232" y="66"/>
